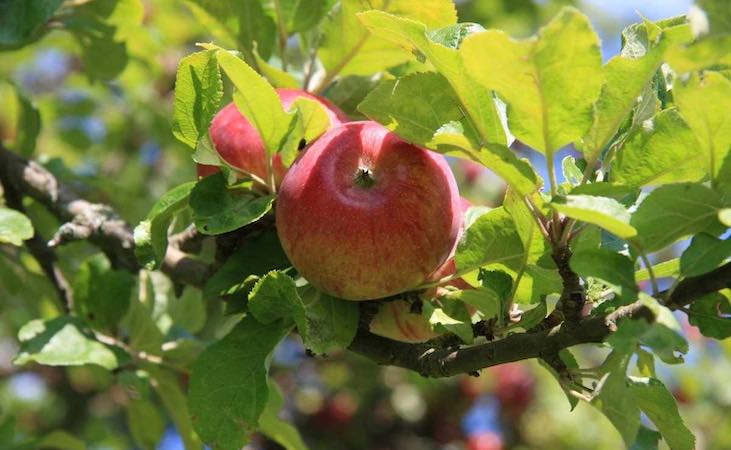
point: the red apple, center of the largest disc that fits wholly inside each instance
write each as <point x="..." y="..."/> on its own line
<point x="364" y="215"/>
<point x="395" y="320"/>
<point x="238" y="142"/>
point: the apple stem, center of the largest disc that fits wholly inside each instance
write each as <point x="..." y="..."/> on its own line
<point x="364" y="178"/>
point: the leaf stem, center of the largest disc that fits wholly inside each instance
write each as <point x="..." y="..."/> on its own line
<point x="650" y="270"/>
<point x="282" y="37"/>
<point x="331" y="74"/>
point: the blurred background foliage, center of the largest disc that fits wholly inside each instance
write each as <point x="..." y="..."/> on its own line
<point x="105" y="108"/>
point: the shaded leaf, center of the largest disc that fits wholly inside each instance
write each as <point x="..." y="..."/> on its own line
<point x="101" y="294"/>
<point x="151" y="236"/>
<point x="240" y="265"/>
<point x="655" y="400"/>
<point x="331" y="322"/>
<point x="173" y="398"/>
<point x="277" y="429"/>
<point x="217" y="210"/>
<point x="613" y="269"/>
<point x="228" y="383"/>
<point x="145" y="423"/>
<point x="22" y="21"/>
<point x="704" y="254"/>
<point x="674" y="211"/>
<point x="712" y="314"/>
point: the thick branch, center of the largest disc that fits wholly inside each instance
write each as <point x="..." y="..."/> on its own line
<point x="97" y="223"/>
<point x="445" y="362"/>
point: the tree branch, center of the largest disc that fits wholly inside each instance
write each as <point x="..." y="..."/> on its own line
<point x="44" y="255"/>
<point x="444" y="362"/>
<point x="97" y="223"/>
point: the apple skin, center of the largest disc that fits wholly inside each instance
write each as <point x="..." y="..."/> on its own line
<point x="238" y="142"/>
<point x="395" y="320"/>
<point x="364" y="215"/>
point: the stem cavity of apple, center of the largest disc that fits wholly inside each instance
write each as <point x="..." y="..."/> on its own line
<point x="364" y="178"/>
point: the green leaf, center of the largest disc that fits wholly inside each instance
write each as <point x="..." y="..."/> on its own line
<point x="724" y="216"/>
<point x="674" y="211"/>
<point x="624" y="79"/>
<point x="257" y="100"/>
<point x="243" y="21"/>
<point x="570" y="361"/>
<point x="188" y="311"/>
<point x="29" y="125"/>
<point x="611" y="268"/>
<point x="452" y="36"/>
<point x="276" y="77"/>
<point x="537" y="282"/>
<point x="240" y="265"/>
<point x="144" y="333"/>
<point x="102" y="28"/>
<point x="198" y="93"/>
<point x="15" y="227"/>
<point x="709" y="121"/>
<point x="477" y="101"/>
<point x="706" y="53"/>
<point x="646" y="439"/>
<point x="719" y="14"/>
<point x="485" y="299"/>
<point x="228" y="383"/>
<point x="301" y="15"/>
<point x="167" y="386"/>
<point x="217" y="210"/>
<point x="311" y="122"/>
<point x="275" y="297"/>
<point x="60" y="440"/>
<point x="151" y="236"/>
<point x="492" y="238"/>
<point x="704" y="254"/>
<point x="414" y="107"/>
<point x="331" y="322"/>
<point x="500" y="159"/>
<point x="23" y="21"/>
<point x="101" y="295"/>
<point x="603" y="212"/>
<point x="665" y="336"/>
<point x="655" y="400"/>
<point x="549" y="82"/>
<point x="182" y="353"/>
<point x="451" y="317"/>
<point x="64" y="341"/>
<point x="145" y="423"/>
<point x="669" y="268"/>
<point x="349" y="49"/>
<point x="712" y="315"/>
<point x="280" y="431"/>
<point x="645" y="362"/>
<point x="614" y="398"/>
<point x="664" y="150"/>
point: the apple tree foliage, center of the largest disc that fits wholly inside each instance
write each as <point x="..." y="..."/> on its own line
<point x="652" y="132"/>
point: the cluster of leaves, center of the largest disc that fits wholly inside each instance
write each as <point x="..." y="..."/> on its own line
<point x="654" y="168"/>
